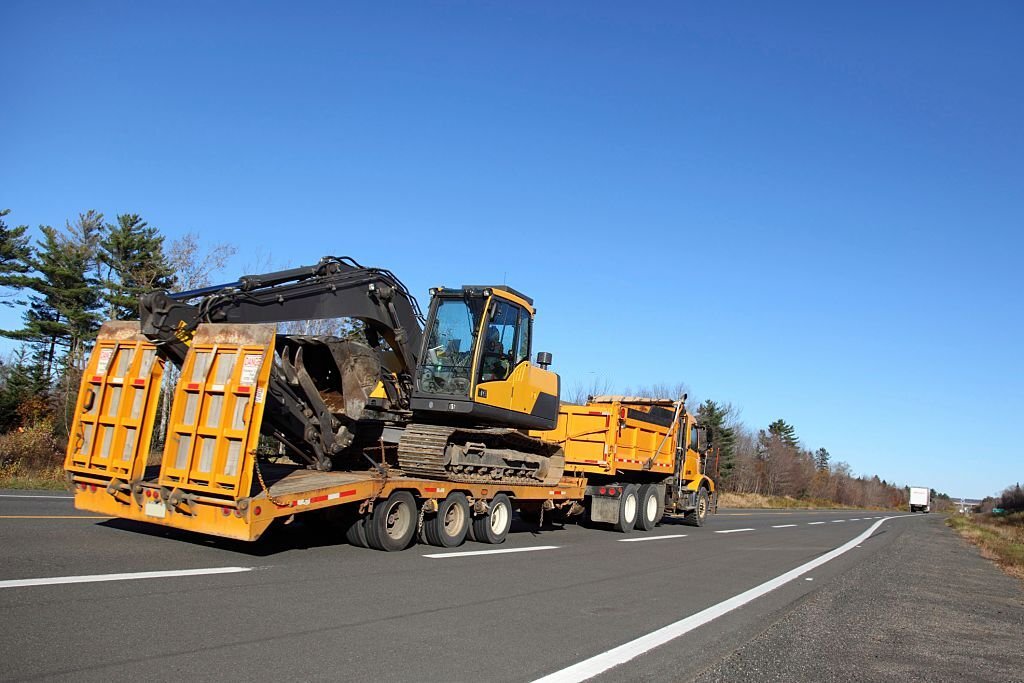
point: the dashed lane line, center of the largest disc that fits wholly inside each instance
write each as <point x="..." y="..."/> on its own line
<point x="651" y="538"/>
<point x="838" y="521"/>
<point x="500" y="551"/>
<point x="94" y="578"/>
<point x="782" y="526"/>
<point x="732" y="531"/>
<point x="813" y="523"/>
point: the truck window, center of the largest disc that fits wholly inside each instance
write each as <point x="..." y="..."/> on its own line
<point x="523" y="340"/>
<point x="693" y="437"/>
<point x="449" y="357"/>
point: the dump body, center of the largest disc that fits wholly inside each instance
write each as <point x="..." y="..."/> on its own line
<point x="920" y="499"/>
<point x="627" y="446"/>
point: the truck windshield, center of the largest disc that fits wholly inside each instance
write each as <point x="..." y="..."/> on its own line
<point x="448" y="360"/>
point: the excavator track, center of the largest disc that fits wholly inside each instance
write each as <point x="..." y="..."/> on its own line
<point x="497" y="455"/>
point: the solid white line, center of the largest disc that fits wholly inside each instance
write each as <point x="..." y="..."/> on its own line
<point x="812" y="523"/>
<point x="782" y="526"/>
<point x="589" y="668"/>
<point x="731" y="531"/>
<point x="470" y="553"/>
<point x="651" y="538"/>
<point x="19" y="495"/>
<point x="92" y="578"/>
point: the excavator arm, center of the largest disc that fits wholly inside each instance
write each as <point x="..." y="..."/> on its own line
<point x="320" y="386"/>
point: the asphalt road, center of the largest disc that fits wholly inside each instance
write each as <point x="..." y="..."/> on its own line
<point x="301" y="606"/>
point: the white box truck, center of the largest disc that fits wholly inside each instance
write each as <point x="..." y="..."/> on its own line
<point x="920" y="499"/>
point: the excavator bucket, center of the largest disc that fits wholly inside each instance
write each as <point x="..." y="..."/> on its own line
<point x="117" y="402"/>
<point x="218" y="406"/>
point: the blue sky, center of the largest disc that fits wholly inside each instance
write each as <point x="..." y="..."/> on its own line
<point x="811" y="211"/>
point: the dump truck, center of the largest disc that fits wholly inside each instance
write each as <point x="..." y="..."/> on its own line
<point x="430" y="427"/>
<point x="920" y="499"/>
<point x="641" y="458"/>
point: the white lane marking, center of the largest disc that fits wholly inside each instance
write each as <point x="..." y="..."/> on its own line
<point x="837" y="521"/>
<point x="855" y="519"/>
<point x="593" y="666"/>
<point x="651" y="538"/>
<point x="92" y="578"/>
<point x="782" y="526"/>
<point x="731" y="531"/>
<point x="470" y="553"/>
<point x="810" y="579"/>
<point x="813" y="523"/>
<point x="21" y="495"/>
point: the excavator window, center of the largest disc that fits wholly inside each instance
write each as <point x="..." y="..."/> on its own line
<point x="448" y="361"/>
<point x="523" y="339"/>
<point x="501" y="347"/>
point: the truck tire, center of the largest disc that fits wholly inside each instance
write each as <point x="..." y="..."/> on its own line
<point x="493" y="527"/>
<point x="355" y="529"/>
<point x="629" y="508"/>
<point x="392" y="524"/>
<point x="651" y="508"/>
<point x="448" y="528"/>
<point x="698" y="516"/>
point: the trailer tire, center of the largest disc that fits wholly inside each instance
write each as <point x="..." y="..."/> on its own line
<point x="700" y="514"/>
<point x="629" y="508"/>
<point x="650" y="509"/>
<point x="355" y="531"/>
<point x="493" y="527"/>
<point x="392" y="524"/>
<point x="448" y="528"/>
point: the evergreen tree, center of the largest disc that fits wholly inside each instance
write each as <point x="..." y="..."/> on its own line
<point x="821" y="458"/>
<point x="715" y="416"/>
<point x="21" y="380"/>
<point x="132" y="258"/>
<point x="784" y="432"/>
<point x="15" y="258"/>
<point x="62" y="313"/>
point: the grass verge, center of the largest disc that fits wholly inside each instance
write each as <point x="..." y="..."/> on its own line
<point x="756" y="500"/>
<point x="1000" y="539"/>
<point x="17" y="476"/>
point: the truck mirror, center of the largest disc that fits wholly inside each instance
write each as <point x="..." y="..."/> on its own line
<point x="543" y="359"/>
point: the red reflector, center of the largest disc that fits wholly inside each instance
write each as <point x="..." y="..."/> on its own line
<point x="138" y="382"/>
<point x="93" y="487"/>
<point x="602" y="490"/>
<point x="193" y="386"/>
<point x="257" y="510"/>
<point x="612" y="492"/>
<point x="225" y="511"/>
<point x="97" y="378"/>
<point x="238" y="513"/>
<point x="244" y="390"/>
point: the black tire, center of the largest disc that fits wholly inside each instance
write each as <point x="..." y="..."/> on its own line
<point x="493" y="527"/>
<point x="651" y="508"/>
<point x="392" y="525"/>
<point x="698" y="516"/>
<point x="629" y="508"/>
<point x="449" y="526"/>
<point x="355" y="531"/>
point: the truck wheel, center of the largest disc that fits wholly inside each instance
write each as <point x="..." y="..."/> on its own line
<point x="355" y="530"/>
<point x="493" y="527"/>
<point x="698" y="516"/>
<point x="629" y="507"/>
<point x="448" y="528"/>
<point x="392" y="524"/>
<point x="651" y="508"/>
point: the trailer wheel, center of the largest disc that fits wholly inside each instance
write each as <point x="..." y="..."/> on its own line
<point x="700" y="514"/>
<point x="392" y="524"/>
<point x="448" y="528"/>
<point x="629" y="508"/>
<point x="651" y="508"/>
<point x="355" y="529"/>
<point x="493" y="527"/>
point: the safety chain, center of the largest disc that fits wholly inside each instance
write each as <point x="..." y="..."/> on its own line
<point x="263" y="484"/>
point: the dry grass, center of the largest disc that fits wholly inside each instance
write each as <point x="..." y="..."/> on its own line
<point x="756" y="500"/>
<point x="31" y="459"/>
<point x="16" y="476"/>
<point x="1000" y="539"/>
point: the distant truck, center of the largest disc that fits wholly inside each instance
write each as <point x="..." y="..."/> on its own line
<point x="920" y="499"/>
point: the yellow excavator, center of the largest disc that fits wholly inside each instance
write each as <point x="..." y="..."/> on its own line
<point x="449" y="397"/>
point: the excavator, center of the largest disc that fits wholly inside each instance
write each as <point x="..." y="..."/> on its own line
<point x="448" y="396"/>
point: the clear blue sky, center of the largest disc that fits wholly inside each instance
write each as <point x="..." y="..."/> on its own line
<point x="812" y="211"/>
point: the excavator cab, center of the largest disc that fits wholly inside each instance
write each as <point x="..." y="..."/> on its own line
<point x="475" y="366"/>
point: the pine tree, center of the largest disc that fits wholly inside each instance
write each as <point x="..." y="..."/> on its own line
<point x="784" y="432"/>
<point x="132" y="258"/>
<point x="15" y="258"/>
<point x="821" y="458"/>
<point x="21" y="380"/>
<point x="715" y="416"/>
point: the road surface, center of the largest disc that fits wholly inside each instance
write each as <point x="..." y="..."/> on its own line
<point x="88" y="598"/>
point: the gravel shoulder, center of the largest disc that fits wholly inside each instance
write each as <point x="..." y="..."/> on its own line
<point x="929" y="608"/>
